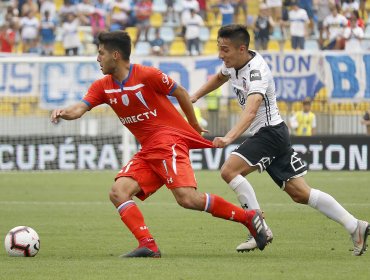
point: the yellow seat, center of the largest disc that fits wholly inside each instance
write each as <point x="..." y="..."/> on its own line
<point x="297" y="106"/>
<point x="213" y="33"/>
<point x="283" y="106"/>
<point x="273" y="45"/>
<point x="177" y="48"/>
<point x="6" y="109"/>
<point x="156" y="20"/>
<point x="24" y="108"/>
<point x="59" y="49"/>
<point x="210" y="48"/>
<point x="132" y="31"/>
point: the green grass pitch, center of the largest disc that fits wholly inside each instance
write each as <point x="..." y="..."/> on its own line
<point x="82" y="235"/>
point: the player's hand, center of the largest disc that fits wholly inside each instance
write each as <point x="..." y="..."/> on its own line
<point x="55" y="115"/>
<point x="193" y="99"/>
<point x="220" y="142"/>
<point x="198" y="128"/>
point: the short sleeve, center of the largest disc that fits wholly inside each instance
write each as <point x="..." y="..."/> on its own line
<point x="161" y="82"/>
<point x="94" y="95"/>
<point x="258" y="81"/>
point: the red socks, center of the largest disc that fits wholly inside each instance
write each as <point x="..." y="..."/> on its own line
<point x="134" y="220"/>
<point x="220" y="208"/>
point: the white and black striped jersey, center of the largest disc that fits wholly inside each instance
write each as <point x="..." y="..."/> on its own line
<point x="255" y="78"/>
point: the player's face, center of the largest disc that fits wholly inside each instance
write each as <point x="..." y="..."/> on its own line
<point x="106" y="60"/>
<point x="230" y="54"/>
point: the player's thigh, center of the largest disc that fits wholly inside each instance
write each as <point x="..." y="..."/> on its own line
<point x="234" y="166"/>
<point x="140" y="171"/>
<point x="286" y="167"/>
<point x="173" y="166"/>
<point x="126" y="185"/>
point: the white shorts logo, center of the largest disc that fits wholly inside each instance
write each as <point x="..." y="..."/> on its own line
<point x="296" y="162"/>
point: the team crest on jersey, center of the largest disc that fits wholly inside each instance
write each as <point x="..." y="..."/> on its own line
<point x="125" y="99"/>
<point x="245" y="84"/>
<point x="239" y="94"/>
<point x="255" y="75"/>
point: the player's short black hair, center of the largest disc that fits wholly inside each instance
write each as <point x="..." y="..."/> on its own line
<point x="116" y="41"/>
<point x="236" y="33"/>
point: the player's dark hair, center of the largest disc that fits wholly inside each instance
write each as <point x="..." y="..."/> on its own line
<point x="116" y="41"/>
<point x="236" y="33"/>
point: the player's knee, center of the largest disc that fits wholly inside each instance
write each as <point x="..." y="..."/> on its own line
<point x="118" y="195"/>
<point x="226" y="174"/>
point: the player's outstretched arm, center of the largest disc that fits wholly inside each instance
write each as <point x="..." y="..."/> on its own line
<point x="213" y="83"/>
<point x="246" y="119"/>
<point x="72" y="112"/>
<point x="183" y="98"/>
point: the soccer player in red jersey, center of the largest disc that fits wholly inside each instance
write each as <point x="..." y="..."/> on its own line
<point x="138" y="95"/>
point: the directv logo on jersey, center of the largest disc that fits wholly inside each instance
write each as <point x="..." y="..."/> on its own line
<point x="255" y="75"/>
<point x="139" y="118"/>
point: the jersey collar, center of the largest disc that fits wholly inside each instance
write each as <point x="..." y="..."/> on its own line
<point x="121" y="85"/>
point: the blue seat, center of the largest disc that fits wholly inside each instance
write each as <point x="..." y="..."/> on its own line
<point x="167" y="33"/>
<point x="204" y="34"/>
<point x="143" y="48"/>
<point x="159" y="6"/>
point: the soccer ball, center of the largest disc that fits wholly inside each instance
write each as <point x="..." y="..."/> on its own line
<point x="22" y="241"/>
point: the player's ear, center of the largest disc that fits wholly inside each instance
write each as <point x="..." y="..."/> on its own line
<point x="116" y="55"/>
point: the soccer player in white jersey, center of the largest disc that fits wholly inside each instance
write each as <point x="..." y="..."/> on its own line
<point x="269" y="146"/>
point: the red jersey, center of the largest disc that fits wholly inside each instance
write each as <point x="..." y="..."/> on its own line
<point x="5" y="46"/>
<point x="141" y="104"/>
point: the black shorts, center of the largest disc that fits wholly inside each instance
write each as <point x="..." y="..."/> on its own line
<point x="270" y="149"/>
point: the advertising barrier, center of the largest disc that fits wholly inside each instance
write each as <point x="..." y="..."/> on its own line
<point x="100" y="153"/>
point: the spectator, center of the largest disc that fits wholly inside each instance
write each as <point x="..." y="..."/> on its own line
<point x="71" y="39"/>
<point x="102" y="6"/>
<point x="263" y="27"/>
<point x="7" y="38"/>
<point x="193" y="24"/>
<point x="334" y="25"/>
<point x="353" y="35"/>
<point x="240" y="5"/>
<point x="29" y="6"/>
<point x="227" y="12"/>
<point x="298" y="20"/>
<point x="119" y="16"/>
<point x="360" y="22"/>
<point x="48" y="5"/>
<point x="12" y="17"/>
<point x="363" y="8"/>
<point x="170" y="10"/>
<point x="203" y="9"/>
<point x="303" y="122"/>
<point x="213" y="100"/>
<point x="323" y="10"/>
<point x="67" y="8"/>
<point x="158" y="45"/>
<point x="307" y="5"/>
<point x="97" y="24"/>
<point x="143" y="10"/>
<point x="188" y="5"/>
<point x="47" y="33"/>
<point x="275" y="7"/>
<point x="366" y="121"/>
<point x="29" y="32"/>
<point x="84" y="12"/>
<point x="349" y="6"/>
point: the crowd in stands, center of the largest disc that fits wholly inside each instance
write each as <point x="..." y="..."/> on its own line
<point x="30" y="26"/>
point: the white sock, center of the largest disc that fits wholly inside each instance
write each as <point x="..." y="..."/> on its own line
<point x="245" y="193"/>
<point x="327" y="205"/>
